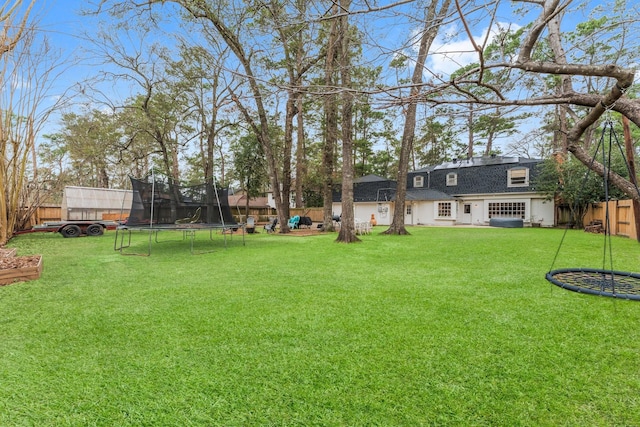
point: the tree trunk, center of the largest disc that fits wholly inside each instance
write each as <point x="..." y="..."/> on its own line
<point x="470" y="134"/>
<point x="301" y="167"/>
<point x="331" y="124"/>
<point x="290" y="113"/>
<point x="631" y="165"/>
<point x="429" y="33"/>
<point x="347" y="224"/>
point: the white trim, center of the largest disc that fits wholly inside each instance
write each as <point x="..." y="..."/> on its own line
<point x="452" y="205"/>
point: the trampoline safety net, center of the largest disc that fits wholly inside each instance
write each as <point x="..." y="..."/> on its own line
<point x="163" y="204"/>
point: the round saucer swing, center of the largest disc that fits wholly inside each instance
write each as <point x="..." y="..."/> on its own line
<point x="600" y="281"/>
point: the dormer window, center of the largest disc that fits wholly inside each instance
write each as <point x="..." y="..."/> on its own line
<point x="518" y="177"/>
<point x="418" y="181"/>
<point x="452" y="179"/>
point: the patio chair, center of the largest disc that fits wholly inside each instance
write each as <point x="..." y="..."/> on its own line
<point x="294" y="222"/>
<point x="362" y="227"/>
<point x="251" y="224"/>
<point x="271" y="227"/>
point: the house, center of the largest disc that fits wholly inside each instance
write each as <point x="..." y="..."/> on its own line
<point x="372" y="195"/>
<point x="469" y="191"/>
<point x="259" y="207"/>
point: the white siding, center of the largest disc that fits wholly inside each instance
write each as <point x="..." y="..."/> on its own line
<point x="543" y="211"/>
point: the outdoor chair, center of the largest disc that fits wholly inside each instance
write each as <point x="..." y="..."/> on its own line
<point x="271" y="227"/>
<point x="294" y="222"/>
<point x="251" y="224"/>
<point x="362" y="227"/>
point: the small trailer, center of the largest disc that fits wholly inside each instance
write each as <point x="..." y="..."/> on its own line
<point x="76" y="228"/>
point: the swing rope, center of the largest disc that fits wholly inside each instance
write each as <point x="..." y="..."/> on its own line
<point x="572" y="219"/>
<point x="606" y="282"/>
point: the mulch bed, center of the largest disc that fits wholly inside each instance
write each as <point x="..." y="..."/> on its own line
<point x="4" y="252"/>
<point x="303" y="232"/>
<point x="12" y="262"/>
<point x="18" y="268"/>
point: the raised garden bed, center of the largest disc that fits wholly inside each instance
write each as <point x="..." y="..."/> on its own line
<point x="18" y="269"/>
<point x="5" y="252"/>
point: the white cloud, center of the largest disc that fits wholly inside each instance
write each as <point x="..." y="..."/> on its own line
<point x="452" y="49"/>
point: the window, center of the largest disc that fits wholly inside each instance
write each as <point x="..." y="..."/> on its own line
<point x="444" y="210"/>
<point x="408" y="209"/>
<point x="452" y="179"/>
<point x="418" y="181"/>
<point x="467" y="209"/>
<point x="518" y="177"/>
<point x="507" y="209"/>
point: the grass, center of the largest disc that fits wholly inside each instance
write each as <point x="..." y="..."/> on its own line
<point x="448" y="326"/>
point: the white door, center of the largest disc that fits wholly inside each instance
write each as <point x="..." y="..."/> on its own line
<point x="477" y="213"/>
<point x="467" y="217"/>
<point x="408" y="214"/>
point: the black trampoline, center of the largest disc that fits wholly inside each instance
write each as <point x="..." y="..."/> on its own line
<point x="162" y="206"/>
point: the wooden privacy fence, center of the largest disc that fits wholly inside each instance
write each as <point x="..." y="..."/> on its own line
<point x="43" y="214"/>
<point x="621" y="218"/>
<point x="314" y="213"/>
<point x="48" y="213"/>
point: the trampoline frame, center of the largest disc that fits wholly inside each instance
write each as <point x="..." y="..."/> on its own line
<point x="188" y="232"/>
<point x="189" y="229"/>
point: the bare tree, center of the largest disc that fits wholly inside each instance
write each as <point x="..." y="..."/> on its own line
<point x="27" y="71"/>
<point x="435" y="14"/>
<point x="202" y="83"/>
<point x="297" y="58"/>
<point x="230" y="32"/>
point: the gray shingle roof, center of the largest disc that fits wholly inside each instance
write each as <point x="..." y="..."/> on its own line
<point x="369" y="178"/>
<point x="426" y="194"/>
<point x="370" y="191"/>
<point x="480" y="175"/>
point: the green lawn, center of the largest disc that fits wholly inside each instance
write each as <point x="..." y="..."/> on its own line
<point x="448" y="326"/>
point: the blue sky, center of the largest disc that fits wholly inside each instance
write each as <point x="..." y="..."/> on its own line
<point x="61" y="21"/>
<point x="67" y="29"/>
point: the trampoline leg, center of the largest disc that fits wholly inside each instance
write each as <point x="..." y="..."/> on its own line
<point x="192" y="234"/>
<point x="122" y="245"/>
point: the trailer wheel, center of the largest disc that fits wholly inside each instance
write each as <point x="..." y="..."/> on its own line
<point x="95" y="230"/>
<point x="70" y="230"/>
